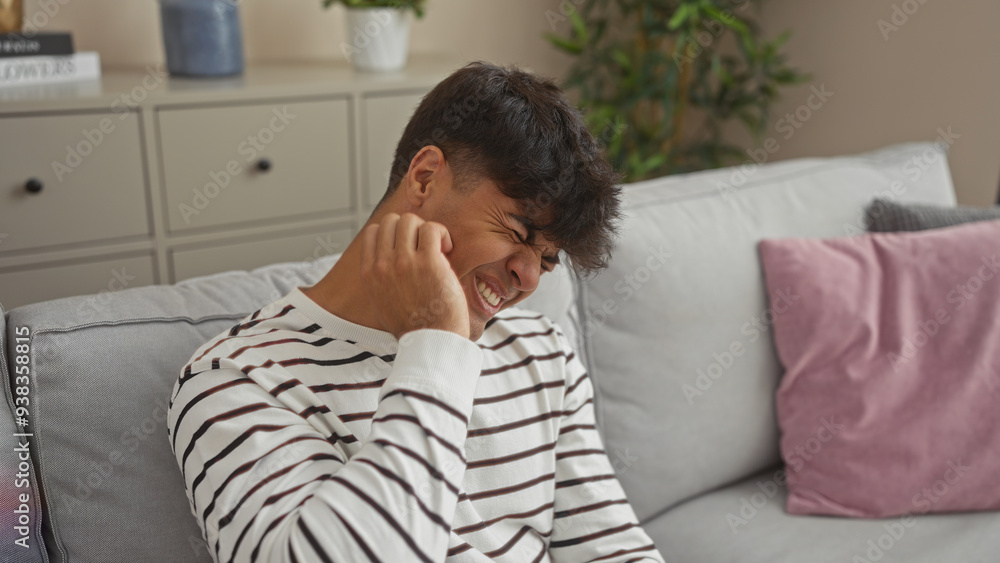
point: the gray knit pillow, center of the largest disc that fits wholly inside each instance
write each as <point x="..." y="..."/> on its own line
<point x="887" y="216"/>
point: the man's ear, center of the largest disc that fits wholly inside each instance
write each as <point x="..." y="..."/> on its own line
<point x="428" y="173"/>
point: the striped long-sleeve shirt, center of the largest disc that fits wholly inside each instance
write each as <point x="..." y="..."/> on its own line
<point x="304" y="437"/>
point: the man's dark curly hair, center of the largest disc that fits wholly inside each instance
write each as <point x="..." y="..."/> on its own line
<point x="519" y="131"/>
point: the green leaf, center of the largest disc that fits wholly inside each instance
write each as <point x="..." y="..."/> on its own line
<point x="622" y="59"/>
<point x="780" y="40"/>
<point x="730" y="21"/>
<point x="655" y="161"/>
<point x="571" y="47"/>
<point x="579" y="27"/>
<point x="679" y="17"/>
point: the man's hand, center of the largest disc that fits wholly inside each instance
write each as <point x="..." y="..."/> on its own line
<point x="408" y="277"/>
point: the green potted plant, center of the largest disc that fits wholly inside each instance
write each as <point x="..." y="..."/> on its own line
<point x="659" y="81"/>
<point x="378" y="32"/>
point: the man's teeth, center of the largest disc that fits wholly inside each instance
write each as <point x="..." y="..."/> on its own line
<point x="488" y="295"/>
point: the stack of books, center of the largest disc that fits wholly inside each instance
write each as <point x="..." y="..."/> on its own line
<point x="44" y="58"/>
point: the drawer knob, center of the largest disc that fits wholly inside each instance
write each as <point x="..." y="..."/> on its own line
<point x="264" y="164"/>
<point x="34" y="185"/>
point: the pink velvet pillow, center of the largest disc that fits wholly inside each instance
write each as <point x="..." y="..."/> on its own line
<point x="890" y="402"/>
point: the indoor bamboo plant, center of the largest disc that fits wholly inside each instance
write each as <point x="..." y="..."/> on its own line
<point x="658" y="80"/>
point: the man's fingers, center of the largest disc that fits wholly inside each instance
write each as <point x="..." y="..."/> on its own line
<point x="387" y="235"/>
<point x="446" y="244"/>
<point x="369" y="239"/>
<point x="407" y="233"/>
<point x="434" y="237"/>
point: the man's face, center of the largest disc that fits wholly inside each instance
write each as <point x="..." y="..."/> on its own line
<point x="497" y="254"/>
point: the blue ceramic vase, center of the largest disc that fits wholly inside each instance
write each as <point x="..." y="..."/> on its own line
<point x="202" y="37"/>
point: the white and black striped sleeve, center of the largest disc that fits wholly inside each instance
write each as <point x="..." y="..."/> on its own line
<point x="266" y="485"/>
<point x="593" y="520"/>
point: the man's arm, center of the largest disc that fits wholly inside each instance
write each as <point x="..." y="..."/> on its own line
<point x="593" y="520"/>
<point x="267" y="486"/>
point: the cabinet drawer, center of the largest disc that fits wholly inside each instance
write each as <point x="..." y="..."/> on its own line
<point x="91" y="174"/>
<point x="191" y="262"/>
<point x="211" y="158"/>
<point x="385" y="117"/>
<point x="52" y="282"/>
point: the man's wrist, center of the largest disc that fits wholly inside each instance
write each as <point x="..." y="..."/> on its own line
<point x="461" y="330"/>
<point x="439" y="362"/>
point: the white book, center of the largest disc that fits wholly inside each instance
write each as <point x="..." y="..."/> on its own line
<point x="17" y="71"/>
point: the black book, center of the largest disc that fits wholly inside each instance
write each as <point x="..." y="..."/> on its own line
<point x="34" y="44"/>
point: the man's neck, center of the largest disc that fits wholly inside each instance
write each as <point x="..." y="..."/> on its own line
<point x="340" y="291"/>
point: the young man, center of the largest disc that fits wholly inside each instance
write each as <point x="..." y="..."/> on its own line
<point x="397" y="411"/>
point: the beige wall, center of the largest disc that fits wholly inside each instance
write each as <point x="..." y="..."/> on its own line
<point x="941" y="68"/>
<point x="127" y="32"/>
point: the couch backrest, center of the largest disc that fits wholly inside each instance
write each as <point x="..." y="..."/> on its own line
<point x="678" y="328"/>
<point x="104" y="367"/>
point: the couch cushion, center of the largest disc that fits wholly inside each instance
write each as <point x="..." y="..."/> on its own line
<point x="104" y="367"/>
<point x="677" y="329"/>
<point x="886" y="216"/>
<point x="21" y="521"/>
<point x="888" y="404"/>
<point x="556" y="297"/>
<point x="746" y="523"/>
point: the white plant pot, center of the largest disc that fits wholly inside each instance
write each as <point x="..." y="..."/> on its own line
<point x="377" y="38"/>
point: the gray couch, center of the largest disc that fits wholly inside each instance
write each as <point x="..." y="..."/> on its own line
<point x="689" y="426"/>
